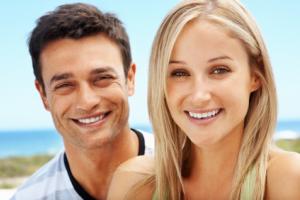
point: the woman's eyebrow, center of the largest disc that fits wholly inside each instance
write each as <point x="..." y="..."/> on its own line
<point x="176" y="62"/>
<point x="219" y="58"/>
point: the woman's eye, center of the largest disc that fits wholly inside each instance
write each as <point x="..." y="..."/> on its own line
<point x="220" y="70"/>
<point x="179" y="73"/>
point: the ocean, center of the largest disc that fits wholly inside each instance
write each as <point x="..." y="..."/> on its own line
<point x="32" y="142"/>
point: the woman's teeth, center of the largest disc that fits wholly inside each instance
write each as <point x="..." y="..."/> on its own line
<point x="204" y="115"/>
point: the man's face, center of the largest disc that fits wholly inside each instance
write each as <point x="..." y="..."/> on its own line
<point x="86" y="90"/>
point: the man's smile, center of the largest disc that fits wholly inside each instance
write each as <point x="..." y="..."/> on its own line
<point x="92" y="119"/>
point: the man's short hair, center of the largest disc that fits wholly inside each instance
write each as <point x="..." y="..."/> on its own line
<point x="76" y="21"/>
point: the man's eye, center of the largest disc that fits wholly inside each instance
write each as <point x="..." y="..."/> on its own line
<point x="63" y="85"/>
<point x="104" y="81"/>
<point x="106" y="77"/>
<point x="220" y="70"/>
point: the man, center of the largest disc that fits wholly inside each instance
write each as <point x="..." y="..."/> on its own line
<point x="84" y="74"/>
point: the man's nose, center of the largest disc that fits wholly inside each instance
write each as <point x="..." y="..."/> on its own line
<point x="87" y="98"/>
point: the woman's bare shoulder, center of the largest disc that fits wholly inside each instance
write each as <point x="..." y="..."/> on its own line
<point x="139" y="164"/>
<point x="128" y="175"/>
<point x="283" y="175"/>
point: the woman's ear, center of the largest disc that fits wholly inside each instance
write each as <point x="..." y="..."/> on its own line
<point x="255" y="81"/>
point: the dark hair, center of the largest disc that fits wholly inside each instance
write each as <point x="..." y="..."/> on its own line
<point x="76" y="21"/>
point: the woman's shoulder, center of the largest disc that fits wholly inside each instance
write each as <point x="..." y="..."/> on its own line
<point x="139" y="165"/>
<point x="128" y="175"/>
<point x="284" y="162"/>
<point x="283" y="175"/>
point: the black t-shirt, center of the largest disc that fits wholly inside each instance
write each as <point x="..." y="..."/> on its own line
<point x="79" y="189"/>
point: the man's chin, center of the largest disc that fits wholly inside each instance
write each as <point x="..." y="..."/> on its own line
<point x="98" y="143"/>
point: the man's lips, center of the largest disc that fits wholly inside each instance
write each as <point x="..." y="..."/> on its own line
<point x="92" y="119"/>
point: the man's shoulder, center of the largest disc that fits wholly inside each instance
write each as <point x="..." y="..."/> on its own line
<point x="46" y="181"/>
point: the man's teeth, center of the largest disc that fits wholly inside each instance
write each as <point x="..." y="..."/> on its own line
<point x="204" y="115"/>
<point x="91" y="120"/>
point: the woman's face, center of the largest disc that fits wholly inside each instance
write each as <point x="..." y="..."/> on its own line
<point x="209" y="83"/>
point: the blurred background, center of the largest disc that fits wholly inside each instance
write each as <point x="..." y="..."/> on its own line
<point x="27" y="135"/>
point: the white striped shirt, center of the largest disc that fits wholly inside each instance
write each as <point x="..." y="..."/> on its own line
<point x="52" y="181"/>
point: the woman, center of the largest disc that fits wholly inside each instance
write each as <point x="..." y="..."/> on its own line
<point x="212" y="103"/>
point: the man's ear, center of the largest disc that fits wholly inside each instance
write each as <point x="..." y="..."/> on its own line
<point x="131" y="79"/>
<point x="255" y="81"/>
<point x="41" y="91"/>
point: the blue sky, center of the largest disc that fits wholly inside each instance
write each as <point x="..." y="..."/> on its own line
<point x="21" y="107"/>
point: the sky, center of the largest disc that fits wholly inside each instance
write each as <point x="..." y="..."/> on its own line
<point x="21" y="107"/>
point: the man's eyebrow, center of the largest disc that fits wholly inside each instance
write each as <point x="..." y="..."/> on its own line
<point x="219" y="58"/>
<point x="101" y="70"/>
<point x="58" y="77"/>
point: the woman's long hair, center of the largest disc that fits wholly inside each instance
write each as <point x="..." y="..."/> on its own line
<point x="172" y="147"/>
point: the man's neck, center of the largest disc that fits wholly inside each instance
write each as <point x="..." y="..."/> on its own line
<point x="93" y="168"/>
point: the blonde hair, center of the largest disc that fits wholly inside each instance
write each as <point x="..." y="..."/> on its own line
<point x="172" y="146"/>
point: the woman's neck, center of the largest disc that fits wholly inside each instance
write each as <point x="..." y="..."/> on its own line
<point x="212" y="168"/>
